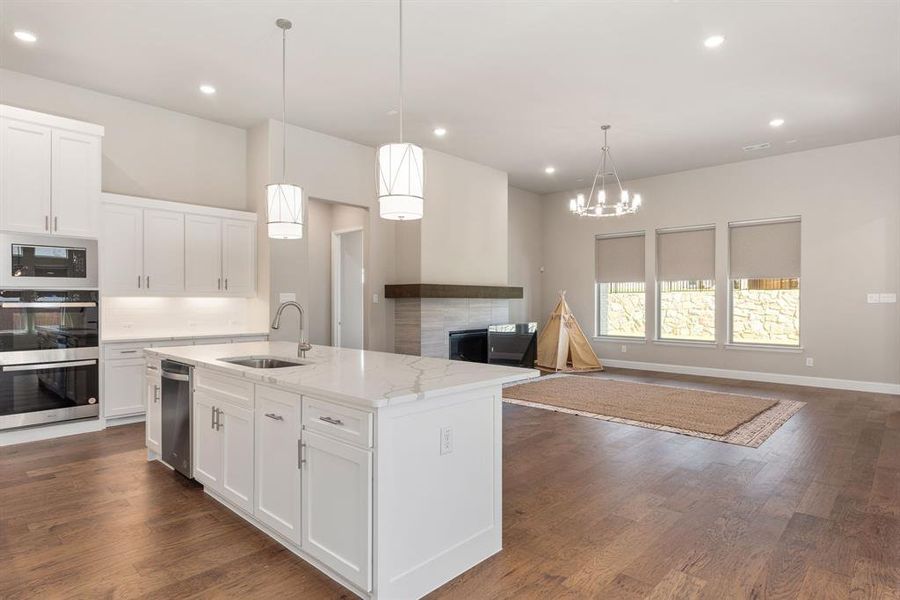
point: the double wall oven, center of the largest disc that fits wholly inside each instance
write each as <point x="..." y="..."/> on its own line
<point x="49" y="336"/>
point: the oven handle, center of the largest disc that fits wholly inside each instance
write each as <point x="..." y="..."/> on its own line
<point x="48" y="305"/>
<point x="56" y="365"/>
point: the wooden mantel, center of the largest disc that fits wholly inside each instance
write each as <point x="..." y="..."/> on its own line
<point x="441" y="290"/>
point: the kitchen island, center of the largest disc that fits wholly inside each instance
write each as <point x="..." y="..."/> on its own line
<point x="382" y="470"/>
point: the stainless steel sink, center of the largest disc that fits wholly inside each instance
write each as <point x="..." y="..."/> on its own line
<point x="263" y="362"/>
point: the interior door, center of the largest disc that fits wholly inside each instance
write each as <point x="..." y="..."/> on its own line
<point x="337" y="507"/>
<point x="239" y="257"/>
<point x="202" y="254"/>
<point x="349" y="296"/>
<point x="163" y="252"/>
<point x="122" y="250"/>
<point x="236" y="428"/>
<point x="207" y="445"/>
<point x="76" y="184"/>
<point x="24" y="177"/>
<point x="277" y="468"/>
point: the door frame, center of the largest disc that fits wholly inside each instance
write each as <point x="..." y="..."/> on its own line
<point x="336" y="283"/>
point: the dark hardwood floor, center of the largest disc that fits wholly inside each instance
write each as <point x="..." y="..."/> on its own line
<point x="591" y="510"/>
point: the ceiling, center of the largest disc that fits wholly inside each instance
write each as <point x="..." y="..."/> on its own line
<point x="518" y="85"/>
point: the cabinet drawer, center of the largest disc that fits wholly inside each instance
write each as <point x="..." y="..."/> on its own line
<point x="231" y="389"/>
<point x="124" y="351"/>
<point x="338" y="421"/>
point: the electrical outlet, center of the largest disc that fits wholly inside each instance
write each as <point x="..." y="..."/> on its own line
<point x="873" y="298"/>
<point x="446" y="440"/>
<point x="287" y="297"/>
<point x="887" y="298"/>
<point x="624" y="348"/>
<point x="810" y="362"/>
<point x="374" y="298"/>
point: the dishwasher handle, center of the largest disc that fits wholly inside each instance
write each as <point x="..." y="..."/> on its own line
<point x="175" y="376"/>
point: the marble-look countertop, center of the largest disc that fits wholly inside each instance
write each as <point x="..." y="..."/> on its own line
<point x="118" y="338"/>
<point x="361" y="377"/>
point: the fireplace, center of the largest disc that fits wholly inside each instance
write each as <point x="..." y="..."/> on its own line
<point x="513" y="344"/>
<point x="469" y="345"/>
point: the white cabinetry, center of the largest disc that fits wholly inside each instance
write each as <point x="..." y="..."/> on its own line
<point x="207" y="450"/>
<point x="152" y="395"/>
<point x="49" y="174"/>
<point x="159" y="248"/>
<point x="123" y="386"/>
<point x="277" y="461"/>
<point x="337" y="507"/>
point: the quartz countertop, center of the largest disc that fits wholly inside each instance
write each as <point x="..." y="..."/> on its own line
<point x="118" y="338"/>
<point x="361" y="377"/>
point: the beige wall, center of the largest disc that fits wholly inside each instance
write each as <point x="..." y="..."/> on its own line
<point x="526" y="253"/>
<point x="147" y="151"/>
<point x="464" y="231"/>
<point x="849" y="200"/>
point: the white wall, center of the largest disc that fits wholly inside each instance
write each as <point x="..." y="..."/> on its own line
<point x="464" y="231"/>
<point x="526" y="254"/>
<point x="849" y="199"/>
<point x="147" y="151"/>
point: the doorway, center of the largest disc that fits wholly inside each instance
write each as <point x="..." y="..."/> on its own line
<point x="348" y="282"/>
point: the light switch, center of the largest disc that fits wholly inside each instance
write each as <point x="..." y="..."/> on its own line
<point x="888" y="298"/>
<point x="374" y="298"/>
<point x="873" y="298"/>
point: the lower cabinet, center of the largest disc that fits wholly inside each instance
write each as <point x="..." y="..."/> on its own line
<point x="223" y="449"/>
<point x="152" y="391"/>
<point x="123" y="387"/>
<point x="277" y="461"/>
<point x="337" y="506"/>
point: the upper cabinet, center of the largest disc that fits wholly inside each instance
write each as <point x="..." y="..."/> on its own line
<point x="160" y="248"/>
<point x="49" y="174"/>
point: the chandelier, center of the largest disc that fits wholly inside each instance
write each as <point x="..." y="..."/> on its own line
<point x="598" y="203"/>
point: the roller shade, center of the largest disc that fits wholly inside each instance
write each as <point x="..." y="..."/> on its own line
<point x="686" y="255"/>
<point x="619" y="259"/>
<point x="765" y="250"/>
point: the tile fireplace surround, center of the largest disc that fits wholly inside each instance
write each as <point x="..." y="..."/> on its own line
<point x="423" y="325"/>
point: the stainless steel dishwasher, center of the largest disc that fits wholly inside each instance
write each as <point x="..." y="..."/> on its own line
<point x="177" y="410"/>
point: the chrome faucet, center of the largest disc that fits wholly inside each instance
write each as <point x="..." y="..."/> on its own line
<point x="302" y="346"/>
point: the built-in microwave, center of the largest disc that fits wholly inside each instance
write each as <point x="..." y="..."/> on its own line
<point x="43" y="261"/>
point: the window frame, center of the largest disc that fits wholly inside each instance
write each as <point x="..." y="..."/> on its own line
<point x="729" y="282"/>
<point x="619" y="338"/>
<point x="657" y="291"/>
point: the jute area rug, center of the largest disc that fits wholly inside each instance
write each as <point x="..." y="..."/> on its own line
<point x="724" y="417"/>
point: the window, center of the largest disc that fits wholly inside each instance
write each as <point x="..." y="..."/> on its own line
<point x="619" y="286"/>
<point x="764" y="273"/>
<point x="686" y="284"/>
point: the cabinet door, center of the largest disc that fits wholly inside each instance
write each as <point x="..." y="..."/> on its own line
<point x="163" y="252"/>
<point x="207" y="445"/>
<point x="24" y="177"/>
<point x="153" y="426"/>
<point x="121" y="250"/>
<point x="236" y="430"/>
<point x="202" y="254"/>
<point x="277" y="469"/>
<point x="76" y="184"/>
<point x="337" y="507"/>
<point x="239" y="257"/>
<point x="123" y="387"/>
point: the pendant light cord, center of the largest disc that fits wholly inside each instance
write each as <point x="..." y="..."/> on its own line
<point x="283" y="105"/>
<point x="400" y="62"/>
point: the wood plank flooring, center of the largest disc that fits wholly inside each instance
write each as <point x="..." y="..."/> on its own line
<point x="592" y="509"/>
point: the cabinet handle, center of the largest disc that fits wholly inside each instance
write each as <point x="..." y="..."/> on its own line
<point x="46" y="222"/>
<point x="332" y="420"/>
<point x="156" y="393"/>
<point x="226" y="283"/>
<point x="148" y="282"/>
<point x="55" y="223"/>
<point x="219" y="283"/>
<point x="129" y="352"/>
<point x="301" y="460"/>
<point x="139" y="282"/>
<point x="219" y="424"/>
<point x="212" y="413"/>
<point x="274" y="416"/>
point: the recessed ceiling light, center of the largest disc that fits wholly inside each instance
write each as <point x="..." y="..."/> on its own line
<point x="25" y="36"/>
<point x="776" y="122"/>
<point x="549" y="170"/>
<point x="714" y="41"/>
<point x="440" y="131"/>
<point x="207" y="89"/>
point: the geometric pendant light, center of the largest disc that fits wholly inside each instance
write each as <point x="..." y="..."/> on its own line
<point x="401" y="167"/>
<point x="284" y="201"/>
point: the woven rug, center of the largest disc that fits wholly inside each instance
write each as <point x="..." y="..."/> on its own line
<point x="724" y="417"/>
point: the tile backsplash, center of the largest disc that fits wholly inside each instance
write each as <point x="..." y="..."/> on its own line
<point x="157" y="316"/>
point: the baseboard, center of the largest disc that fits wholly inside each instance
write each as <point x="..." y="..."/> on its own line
<point x="820" y="382"/>
<point x="114" y="421"/>
<point x="49" y="431"/>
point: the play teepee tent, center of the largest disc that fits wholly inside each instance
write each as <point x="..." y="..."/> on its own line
<point x="562" y="345"/>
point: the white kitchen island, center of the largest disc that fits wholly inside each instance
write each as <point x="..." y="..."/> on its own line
<point x="382" y="470"/>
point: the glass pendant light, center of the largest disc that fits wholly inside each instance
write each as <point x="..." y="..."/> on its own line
<point x="401" y="167"/>
<point x="284" y="201"/>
